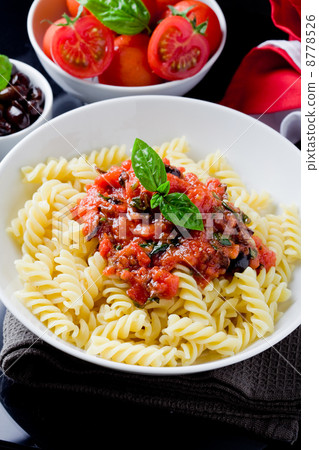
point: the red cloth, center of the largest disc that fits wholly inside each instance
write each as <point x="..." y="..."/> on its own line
<point x="286" y="15"/>
<point x="268" y="78"/>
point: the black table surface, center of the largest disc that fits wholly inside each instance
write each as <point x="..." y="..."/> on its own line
<point x="68" y="421"/>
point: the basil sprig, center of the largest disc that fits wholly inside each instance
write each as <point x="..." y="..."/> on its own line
<point x="5" y="71"/>
<point x="121" y="16"/>
<point x="150" y="170"/>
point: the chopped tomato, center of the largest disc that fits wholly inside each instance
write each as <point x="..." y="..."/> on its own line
<point x="176" y="50"/>
<point x="266" y="257"/>
<point x="200" y="12"/>
<point x="105" y="246"/>
<point x="130" y="66"/>
<point x="142" y="247"/>
<point x="73" y="7"/>
<point x="83" y="48"/>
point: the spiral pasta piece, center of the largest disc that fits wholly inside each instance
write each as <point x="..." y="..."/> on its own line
<point x="49" y="314"/>
<point x="213" y="163"/>
<point x="123" y="327"/>
<point x="57" y="169"/>
<point x="292" y="234"/>
<point x="166" y="149"/>
<point x="257" y="202"/>
<point x="276" y="239"/>
<point x="133" y="353"/>
<point x="92" y="280"/>
<point x="35" y="226"/>
<point x="192" y="296"/>
<point x="69" y="281"/>
<point x="200" y="334"/>
<point x="37" y="274"/>
<point x="256" y="304"/>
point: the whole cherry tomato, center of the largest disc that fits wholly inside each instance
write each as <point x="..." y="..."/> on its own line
<point x="129" y="66"/>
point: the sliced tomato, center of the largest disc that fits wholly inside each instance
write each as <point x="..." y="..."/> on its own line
<point x="73" y="7"/>
<point x="129" y="66"/>
<point x="200" y="12"/>
<point x="83" y="48"/>
<point x="47" y="38"/>
<point x="176" y="50"/>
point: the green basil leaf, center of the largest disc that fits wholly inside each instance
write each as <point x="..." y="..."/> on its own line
<point x="181" y="211"/>
<point x="245" y="218"/>
<point x="223" y="240"/>
<point x="164" y="188"/>
<point x="253" y="253"/>
<point x="158" y="248"/>
<point x="103" y="196"/>
<point x="139" y="203"/>
<point x="148" y="166"/>
<point x="156" y="200"/>
<point x="5" y="71"/>
<point x="121" y="16"/>
<point x="227" y="206"/>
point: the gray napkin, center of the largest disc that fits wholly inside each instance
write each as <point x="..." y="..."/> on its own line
<point x="260" y="395"/>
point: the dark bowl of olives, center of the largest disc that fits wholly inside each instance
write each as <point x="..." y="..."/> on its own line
<point x="25" y="104"/>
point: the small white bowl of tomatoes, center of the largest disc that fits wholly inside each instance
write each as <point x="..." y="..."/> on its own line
<point x="100" y="49"/>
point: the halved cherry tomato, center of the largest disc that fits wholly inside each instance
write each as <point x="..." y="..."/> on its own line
<point x="129" y="66"/>
<point x="73" y="7"/>
<point x="176" y="50"/>
<point x="201" y="12"/>
<point x="47" y="38"/>
<point x="83" y="48"/>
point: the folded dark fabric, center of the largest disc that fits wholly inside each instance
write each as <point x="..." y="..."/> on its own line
<point x="260" y="395"/>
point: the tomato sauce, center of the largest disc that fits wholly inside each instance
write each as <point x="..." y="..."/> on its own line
<point x="142" y="247"/>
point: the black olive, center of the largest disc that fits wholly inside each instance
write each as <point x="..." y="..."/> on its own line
<point x="17" y="117"/>
<point x="123" y="178"/>
<point x="22" y="90"/>
<point x="239" y="264"/>
<point x="33" y="107"/>
<point x="5" y="127"/>
<point x="173" y="170"/>
<point x="20" y="78"/>
<point x="35" y="93"/>
<point x="9" y="93"/>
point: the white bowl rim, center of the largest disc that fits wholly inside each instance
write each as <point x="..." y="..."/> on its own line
<point x="134" y="89"/>
<point x="48" y="98"/>
<point x="50" y="338"/>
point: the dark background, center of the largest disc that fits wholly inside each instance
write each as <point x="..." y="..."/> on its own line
<point x="68" y="421"/>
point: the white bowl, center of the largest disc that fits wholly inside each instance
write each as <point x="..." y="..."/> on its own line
<point x="264" y="159"/>
<point x="90" y="92"/>
<point x="38" y="80"/>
